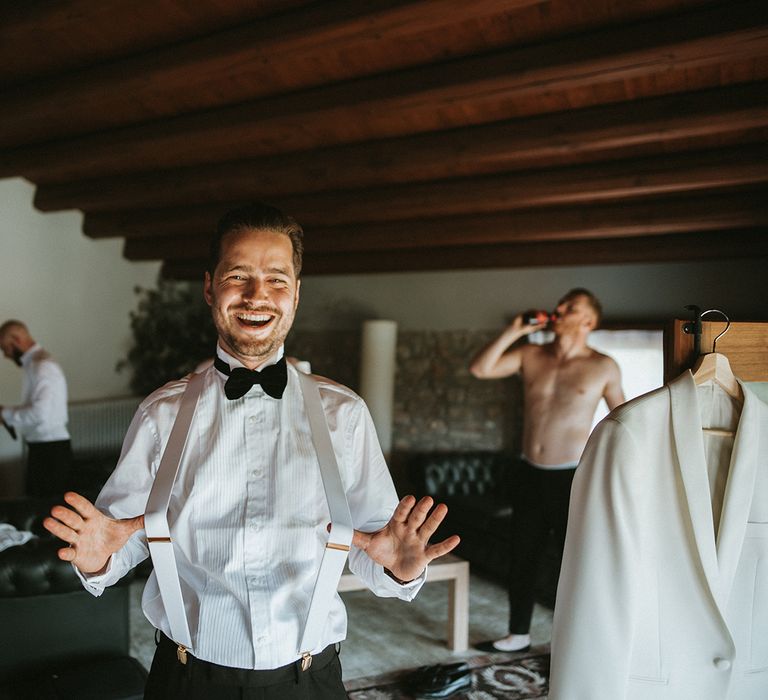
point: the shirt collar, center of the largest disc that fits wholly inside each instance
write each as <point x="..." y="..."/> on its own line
<point x="26" y="358"/>
<point x="233" y="362"/>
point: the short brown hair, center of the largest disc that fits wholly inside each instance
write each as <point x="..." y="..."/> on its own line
<point x="592" y="300"/>
<point x="257" y="216"/>
<point x="12" y="325"/>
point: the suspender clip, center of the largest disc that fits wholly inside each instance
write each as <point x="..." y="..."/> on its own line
<point x="306" y="661"/>
<point x="340" y="547"/>
<point x="181" y="654"/>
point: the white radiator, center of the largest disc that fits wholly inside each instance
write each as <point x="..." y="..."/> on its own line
<point x="98" y="427"/>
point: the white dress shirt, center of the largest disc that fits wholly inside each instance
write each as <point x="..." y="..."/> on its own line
<point x="248" y="514"/>
<point x="42" y="414"/>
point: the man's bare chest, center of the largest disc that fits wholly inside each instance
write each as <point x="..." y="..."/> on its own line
<point x="569" y="380"/>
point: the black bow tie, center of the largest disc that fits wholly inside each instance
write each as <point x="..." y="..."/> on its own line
<point x="272" y="379"/>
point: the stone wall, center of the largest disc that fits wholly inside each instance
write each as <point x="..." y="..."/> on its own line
<point x="439" y="405"/>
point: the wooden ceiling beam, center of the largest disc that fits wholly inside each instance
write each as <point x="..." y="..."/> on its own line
<point x="644" y="249"/>
<point x="713" y="117"/>
<point x="660" y="217"/>
<point x="78" y="33"/>
<point x="217" y="67"/>
<point x="473" y="90"/>
<point x="712" y="170"/>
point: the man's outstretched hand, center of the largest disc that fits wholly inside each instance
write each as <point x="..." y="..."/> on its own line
<point x="402" y="545"/>
<point x="93" y="537"/>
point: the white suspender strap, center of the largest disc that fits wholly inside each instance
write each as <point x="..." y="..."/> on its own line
<point x="156" y="518"/>
<point x="340" y="537"/>
<point x="159" y="536"/>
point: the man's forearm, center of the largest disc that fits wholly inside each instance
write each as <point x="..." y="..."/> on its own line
<point x="487" y="360"/>
<point x="24" y="417"/>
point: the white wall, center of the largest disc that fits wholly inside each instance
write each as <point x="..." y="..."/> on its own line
<point x="484" y="299"/>
<point x="74" y="293"/>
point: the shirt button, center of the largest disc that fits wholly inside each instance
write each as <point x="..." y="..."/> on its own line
<point x="255" y="472"/>
<point x="722" y="664"/>
<point x="252" y="419"/>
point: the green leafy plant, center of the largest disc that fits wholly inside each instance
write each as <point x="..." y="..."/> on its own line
<point x="172" y="333"/>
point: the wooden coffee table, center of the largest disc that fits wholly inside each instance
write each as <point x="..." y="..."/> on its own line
<point x="448" y="568"/>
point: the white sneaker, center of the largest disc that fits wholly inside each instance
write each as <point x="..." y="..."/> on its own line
<point x="512" y="642"/>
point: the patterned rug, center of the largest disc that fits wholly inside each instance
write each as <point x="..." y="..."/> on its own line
<point x="521" y="676"/>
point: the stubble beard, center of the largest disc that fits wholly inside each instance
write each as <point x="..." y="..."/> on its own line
<point x="261" y="348"/>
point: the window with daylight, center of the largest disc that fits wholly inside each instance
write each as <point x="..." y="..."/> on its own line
<point x="639" y="354"/>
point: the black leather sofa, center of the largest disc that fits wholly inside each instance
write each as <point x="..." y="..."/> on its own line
<point x="88" y="473"/>
<point x="477" y="488"/>
<point x="57" y="640"/>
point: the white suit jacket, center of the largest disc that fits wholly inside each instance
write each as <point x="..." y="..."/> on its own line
<point x="651" y="605"/>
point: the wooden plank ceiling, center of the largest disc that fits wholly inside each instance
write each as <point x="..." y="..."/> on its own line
<point x="403" y="134"/>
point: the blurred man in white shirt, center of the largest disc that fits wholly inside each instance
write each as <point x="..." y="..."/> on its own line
<point x="41" y="417"/>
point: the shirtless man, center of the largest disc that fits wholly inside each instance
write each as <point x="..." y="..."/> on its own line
<point x="563" y="382"/>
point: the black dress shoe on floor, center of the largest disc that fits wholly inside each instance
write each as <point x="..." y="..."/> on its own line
<point x="488" y="647"/>
<point x="440" y="681"/>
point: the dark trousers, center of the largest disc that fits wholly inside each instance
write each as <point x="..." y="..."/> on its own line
<point x="200" y="680"/>
<point x="540" y="505"/>
<point x="48" y="465"/>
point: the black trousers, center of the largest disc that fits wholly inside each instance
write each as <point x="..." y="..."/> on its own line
<point x="200" y="680"/>
<point x="540" y="505"/>
<point x="48" y="465"/>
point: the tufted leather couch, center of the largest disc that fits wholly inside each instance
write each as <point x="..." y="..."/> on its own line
<point x="57" y="640"/>
<point x="88" y="473"/>
<point x="477" y="488"/>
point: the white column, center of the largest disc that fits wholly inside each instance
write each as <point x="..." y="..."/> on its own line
<point x="377" y="376"/>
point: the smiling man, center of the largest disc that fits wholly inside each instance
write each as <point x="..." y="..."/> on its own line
<point x="253" y="287"/>
<point x="248" y="512"/>
<point x="563" y="382"/>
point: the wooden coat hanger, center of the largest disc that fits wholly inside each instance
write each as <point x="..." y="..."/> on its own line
<point x="714" y="366"/>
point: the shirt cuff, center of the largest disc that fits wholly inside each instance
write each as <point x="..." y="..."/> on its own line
<point x="398" y="581"/>
<point x="95" y="583"/>
<point x="387" y="586"/>
<point x="118" y="565"/>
